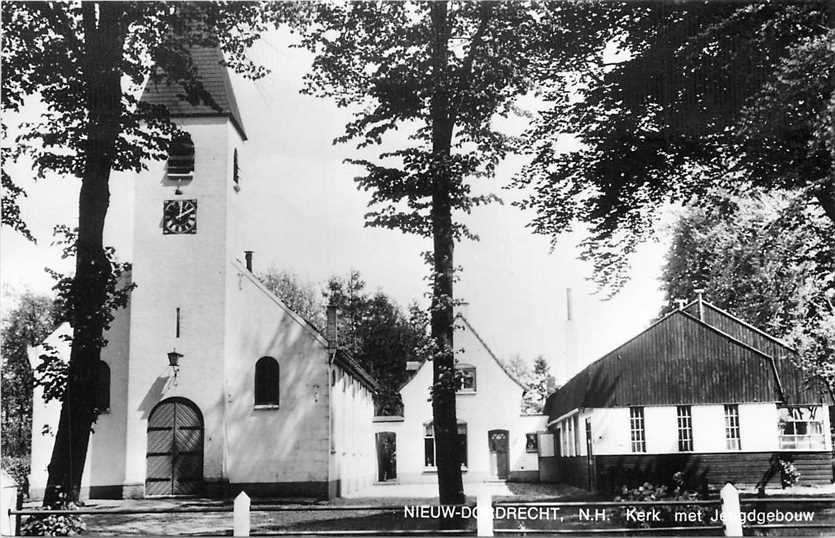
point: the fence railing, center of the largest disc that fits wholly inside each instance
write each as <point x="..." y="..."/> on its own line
<point x="729" y="506"/>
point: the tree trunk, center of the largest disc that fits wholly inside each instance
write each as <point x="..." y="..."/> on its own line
<point x="104" y="34"/>
<point x="448" y="461"/>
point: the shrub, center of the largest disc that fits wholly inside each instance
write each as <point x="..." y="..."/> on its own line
<point x="18" y="469"/>
<point x="647" y="493"/>
<point x="789" y="475"/>
<point x="54" y="525"/>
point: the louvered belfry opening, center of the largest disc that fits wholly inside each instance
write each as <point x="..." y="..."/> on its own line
<point x="181" y="158"/>
<point x="175" y="449"/>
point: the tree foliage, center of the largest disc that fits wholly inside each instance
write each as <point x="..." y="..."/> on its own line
<point x="300" y="296"/>
<point x="85" y="62"/>
<point x="701" y="95"/>
<point x="377" y="332"/>
<point x="538" y="381"/>
<point x="31" y="320"/>
<point x="771" y="262"/>
<point x="442" y="72"/>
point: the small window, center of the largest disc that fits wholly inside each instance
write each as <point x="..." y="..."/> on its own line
<point x="732" y="427"/>
<point x="181" y="158"/>
<point x="467" y="381"/>
<point x="531" y="442"/>
<point x="266" y="381"/>
<point x="236" y="171"/>
<point x="685" y="428"/>
<point x="636" y="429"/>
<point x="429" y="444"/>
<point x="102" y="387"/>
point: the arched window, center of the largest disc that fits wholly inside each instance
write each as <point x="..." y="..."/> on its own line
<point x="266" y="381"/>
<point x="181" y="158"/>
<point x="102" y="387"/>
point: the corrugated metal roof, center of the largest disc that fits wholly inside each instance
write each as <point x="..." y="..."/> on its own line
<point x="684" y="360"/>
<point x="213" y="74"/>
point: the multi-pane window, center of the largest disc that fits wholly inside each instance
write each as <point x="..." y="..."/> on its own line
<point x="685" y="428"/>
<point x="636" y="429"/>
<point x="466" y="379"/>
<point x="429" y="444"/>
<point x="732" y="427"/>
<point x="801" y="428"/>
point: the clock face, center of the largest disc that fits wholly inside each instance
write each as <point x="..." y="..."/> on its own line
<point x="179" y="217"/>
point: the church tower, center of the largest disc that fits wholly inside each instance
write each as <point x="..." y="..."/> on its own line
<point x="185" y="239"/>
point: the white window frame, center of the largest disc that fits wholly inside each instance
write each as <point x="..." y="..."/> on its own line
<point x="812" y="440"/>
<point x="684" y="428"/>
<point x="637" y="430"/>
<point x="429" y="433"/>
<point x="733" y="438"/>
<point x="467" y="367"/>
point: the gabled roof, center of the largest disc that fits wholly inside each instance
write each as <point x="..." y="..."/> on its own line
<point x="342" y="357"/>
<point x="213" y="74"/>
<point x="682" y="360"/>
<point x="483" y="344"/>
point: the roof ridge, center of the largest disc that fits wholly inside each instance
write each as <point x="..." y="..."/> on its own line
<point x="748" y="325"/>
<point x="489" y="351"/>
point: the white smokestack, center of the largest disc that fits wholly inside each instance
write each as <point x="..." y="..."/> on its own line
<point x="571" y="362"/>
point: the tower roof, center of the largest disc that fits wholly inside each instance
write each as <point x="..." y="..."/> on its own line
<point x="208" y="63"/>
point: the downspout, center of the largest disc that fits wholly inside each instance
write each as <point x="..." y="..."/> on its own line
<point x="777" y="379"/>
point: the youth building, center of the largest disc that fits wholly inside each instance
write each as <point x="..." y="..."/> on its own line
<point x="209" y="384"/>
<point x="700" y="392"/>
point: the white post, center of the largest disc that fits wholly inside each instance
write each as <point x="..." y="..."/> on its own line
<point x="484" y="512"/>
<point x="731" y="512"/>
<point x="8" y="501"/>
<point x="240" y="515"/>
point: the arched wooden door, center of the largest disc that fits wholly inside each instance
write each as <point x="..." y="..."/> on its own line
<point x="175" y="449"/>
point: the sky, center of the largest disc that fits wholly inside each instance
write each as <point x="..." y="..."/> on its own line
<point x="307" y="217"/>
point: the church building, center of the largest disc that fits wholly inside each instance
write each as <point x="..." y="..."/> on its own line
<point x="210" y="384"/>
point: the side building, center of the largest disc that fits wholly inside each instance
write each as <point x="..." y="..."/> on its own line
<point x="700" y="392"/>
<point x="496" y="441"/>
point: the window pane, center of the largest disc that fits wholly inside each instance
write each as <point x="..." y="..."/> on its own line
<point x="429" y="452"/>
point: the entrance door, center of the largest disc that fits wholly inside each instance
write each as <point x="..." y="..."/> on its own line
<point x="497" y="441"/>
<point x="386" y="456"/>
<point x="175" y="449"/>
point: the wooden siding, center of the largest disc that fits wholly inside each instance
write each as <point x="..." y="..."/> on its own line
<point x="794" y="385"/>
<point x="744" y="469"/>
<point x="680" y="360"/>
<point x="573" y="470"/>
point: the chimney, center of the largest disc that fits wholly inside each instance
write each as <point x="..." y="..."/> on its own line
<point x="571" y="365"/>
<point x="568" y="304"/>
<point x="330" y="329"/>
<point x="699" y="297"/>
<point x="248" y="258"/>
